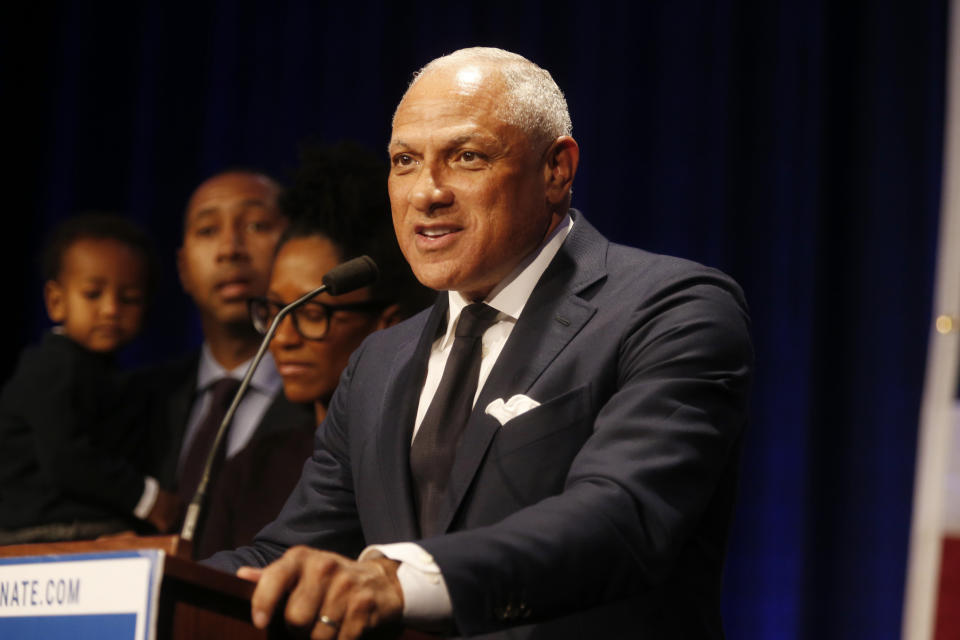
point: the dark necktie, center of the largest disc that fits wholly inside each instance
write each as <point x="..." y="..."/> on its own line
<point x="221" y="393"/>
<point x="435" y="445"/>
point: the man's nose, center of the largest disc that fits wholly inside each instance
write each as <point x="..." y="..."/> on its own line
<point x="232" y="242"/>
<point x="429" y="192"/>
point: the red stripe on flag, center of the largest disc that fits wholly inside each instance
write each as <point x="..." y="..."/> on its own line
<point x="948" y="596"/>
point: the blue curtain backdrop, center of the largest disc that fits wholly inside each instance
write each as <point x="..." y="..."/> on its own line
<point x="794" y="144"/>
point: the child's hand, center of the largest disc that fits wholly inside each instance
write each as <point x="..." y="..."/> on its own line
<point x="165" y="515"/>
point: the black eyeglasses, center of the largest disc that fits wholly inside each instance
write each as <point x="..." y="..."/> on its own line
<point x="312" y="320"/>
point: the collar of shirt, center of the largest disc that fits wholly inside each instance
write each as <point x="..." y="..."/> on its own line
<point x="265" y="379"/>
<point x="511" y="295"/>
<point x="264" y="386"/>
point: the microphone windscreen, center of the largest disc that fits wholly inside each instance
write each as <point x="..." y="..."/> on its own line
<point x="351" y="275"/>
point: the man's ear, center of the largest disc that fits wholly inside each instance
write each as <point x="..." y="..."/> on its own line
<point x="53" y="298"/>
<point x="389" y="317"/>
<point x="560" y="167"/>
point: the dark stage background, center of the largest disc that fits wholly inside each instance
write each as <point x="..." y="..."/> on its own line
<point x="794" y="144"/>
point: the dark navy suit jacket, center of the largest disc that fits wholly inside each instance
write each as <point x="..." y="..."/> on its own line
<point x="601" y="513"/>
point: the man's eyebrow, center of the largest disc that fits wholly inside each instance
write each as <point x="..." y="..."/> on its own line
<point x="209" y="211"/>
<point x="467" y="137"/>
<point x="200" y="214"/>
<point x="397" y="143"/>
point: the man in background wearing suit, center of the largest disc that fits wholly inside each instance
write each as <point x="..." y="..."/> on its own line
<point x="551" y="451"/>
<point x="231" y="227"/>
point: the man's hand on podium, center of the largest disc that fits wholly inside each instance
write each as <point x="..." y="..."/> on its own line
<point x="165" y="515"/>
<point x="328" y="596"/>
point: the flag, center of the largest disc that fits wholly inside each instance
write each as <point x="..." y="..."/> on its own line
<point x="932" y="598"/>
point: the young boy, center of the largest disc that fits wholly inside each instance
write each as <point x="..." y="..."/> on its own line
<point x="70" y="436"/>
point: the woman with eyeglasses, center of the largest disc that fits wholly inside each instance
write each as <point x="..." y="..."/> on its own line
<point x="312" y="345"/>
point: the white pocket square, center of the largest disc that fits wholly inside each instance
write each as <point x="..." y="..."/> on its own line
<point x="506" y="411"/>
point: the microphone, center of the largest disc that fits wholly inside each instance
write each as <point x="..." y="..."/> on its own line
<point x="344" y="278"/>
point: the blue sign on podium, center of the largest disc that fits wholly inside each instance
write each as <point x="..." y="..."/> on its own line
<point x="102" y="596"/>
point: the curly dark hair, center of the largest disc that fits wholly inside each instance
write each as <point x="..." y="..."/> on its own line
<point x="340" y="192"/>
<point x="99" y="226"/>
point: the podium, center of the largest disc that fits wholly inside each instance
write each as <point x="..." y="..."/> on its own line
<point x="195" y="601"/>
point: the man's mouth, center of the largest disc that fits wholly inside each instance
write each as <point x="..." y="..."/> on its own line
<point x="436" y="236"/>
<point x="234" y="288"/>
<point x="436" y="233"/>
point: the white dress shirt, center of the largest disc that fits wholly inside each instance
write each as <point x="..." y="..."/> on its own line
<point x="426" y="600"/>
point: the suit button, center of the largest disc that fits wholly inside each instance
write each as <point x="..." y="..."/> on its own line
<point x="512" y="611"/>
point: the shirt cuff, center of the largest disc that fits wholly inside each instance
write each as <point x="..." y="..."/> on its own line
<point x="426" y="601"/>
<point x="151" y="489"/>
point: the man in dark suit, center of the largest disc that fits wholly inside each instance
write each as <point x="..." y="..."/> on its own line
<point x="231" y="227"/>
<point x="588" y="491"/>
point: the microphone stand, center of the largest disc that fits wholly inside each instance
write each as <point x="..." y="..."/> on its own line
<point x="352" y="274"/>
<point x="193" y="511"/>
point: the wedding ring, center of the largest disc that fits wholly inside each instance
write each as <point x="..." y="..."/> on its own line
<point x="330" y="622"/>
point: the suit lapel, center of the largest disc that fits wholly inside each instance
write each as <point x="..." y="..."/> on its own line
<point x="400" y="402"/>
<point x="552" y="317"/>
<point x="177" y="414"/>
